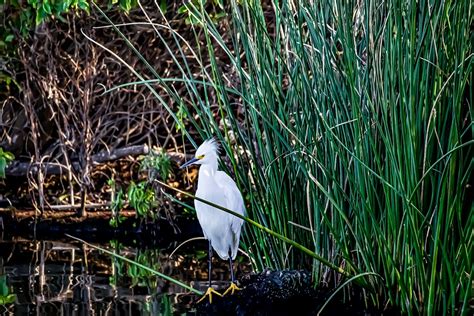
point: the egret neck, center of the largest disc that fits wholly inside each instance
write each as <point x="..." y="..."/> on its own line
<point x="208" y="169"/>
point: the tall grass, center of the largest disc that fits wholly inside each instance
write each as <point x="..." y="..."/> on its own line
<point x="355" y="138"/>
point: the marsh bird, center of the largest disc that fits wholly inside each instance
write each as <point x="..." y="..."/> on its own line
<point x="221" y="229"/>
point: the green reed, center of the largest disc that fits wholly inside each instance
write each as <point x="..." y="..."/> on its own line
<point x="348" y="126"/>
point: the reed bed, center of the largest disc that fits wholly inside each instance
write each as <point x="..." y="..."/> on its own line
<point x="348" y="126"/>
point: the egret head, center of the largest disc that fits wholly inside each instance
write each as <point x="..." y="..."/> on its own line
<point x="207" y="153"/>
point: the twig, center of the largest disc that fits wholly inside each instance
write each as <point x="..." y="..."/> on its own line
<point x="76" y="206"/>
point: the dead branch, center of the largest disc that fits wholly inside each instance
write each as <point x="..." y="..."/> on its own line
<point x="60" y="123"/>
<point x="20" y="169"/>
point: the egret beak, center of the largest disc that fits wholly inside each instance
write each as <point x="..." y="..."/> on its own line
<point x="189" y="163"/>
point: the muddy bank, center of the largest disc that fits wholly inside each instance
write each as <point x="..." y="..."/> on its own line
<point x="287" y="292"/>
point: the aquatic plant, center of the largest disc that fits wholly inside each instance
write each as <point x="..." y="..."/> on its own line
<point x="349" y="127"/>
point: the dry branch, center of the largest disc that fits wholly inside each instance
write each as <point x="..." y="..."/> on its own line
<point x="60" y="123"/>
<point x="19" y="169"/>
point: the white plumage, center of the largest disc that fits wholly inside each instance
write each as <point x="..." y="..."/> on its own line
<point x="220" y="228"/>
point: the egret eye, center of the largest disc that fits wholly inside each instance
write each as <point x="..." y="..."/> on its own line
<point x="200" y="157"/>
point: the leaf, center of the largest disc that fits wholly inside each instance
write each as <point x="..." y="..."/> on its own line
<point x="193" y="20"/>
<point x="219" y="3"/>
<point x="218" y="16"/>
<point x="47" y="7"/>
<point x="13" y="3"/>
<point x="5" y="78"/>
<point x="5" y="158"/>
<point x="41" y="15"/>
<point x="3" y="285"/>
<point x="34" y="3"/>
<point x="84" y="5"/>
<point x="113" y="222"/>
<point x="126" y="5"/>
<point x="9" y="38"/>
<point x="9" y="299"/>
<point x="164" y="6"/>
<point x="183" y="9"/>
<point x="3" y="165"/>
<point x="8" y="156"/>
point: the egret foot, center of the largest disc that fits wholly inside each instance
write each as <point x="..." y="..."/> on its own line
<point x="209" y="293"/>
<point x="232" y="288"/>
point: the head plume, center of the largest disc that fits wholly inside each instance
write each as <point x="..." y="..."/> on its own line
<point x="209" y="146"/>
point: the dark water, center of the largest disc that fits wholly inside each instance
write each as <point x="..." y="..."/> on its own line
<point x="65" y="277"/>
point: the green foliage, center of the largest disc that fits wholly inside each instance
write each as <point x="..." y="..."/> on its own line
<point x="5" y="296"/>
<point x="356" y="139"/>
<point x="5" y="158"/>
<point x="181" y="114"/>
<point x="157" y="164"/>
<point x="125" y="5"/>
<point x="216" y="11"/>
<point x="142" y="198"/>
<point x="24" y="16"/>
<point x="117" y="203"/>
<point x="141" y="277"/>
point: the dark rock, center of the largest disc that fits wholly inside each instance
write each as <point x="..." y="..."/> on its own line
<point x="287" y="292"/>
<point x="267" y="293"/>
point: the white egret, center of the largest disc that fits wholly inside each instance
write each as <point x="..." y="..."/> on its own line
<point x="221" y="229"/>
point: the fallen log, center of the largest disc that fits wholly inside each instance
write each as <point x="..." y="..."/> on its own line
<point x="19" y="169"/>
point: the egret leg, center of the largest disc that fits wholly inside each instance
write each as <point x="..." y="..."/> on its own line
<point x="210" y="290"/>
<point x="210" y="263"/>
<point x="233" y="287"/>
<point x="231" y="269"/>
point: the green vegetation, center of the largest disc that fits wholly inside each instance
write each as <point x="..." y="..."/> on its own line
<point x="355" y="139"/>
<point x="139" y="277"/>
<point x="117" y="201"/>
<point x="141" y="196"/>
<point x="158" y="165"/>
<point x="25" y="15"/>
<point x="214" y="16"/>
<point x="5" y="296"/>
<point x="5" y="158"/>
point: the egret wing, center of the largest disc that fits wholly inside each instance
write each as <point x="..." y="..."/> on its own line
<point x="235" y="203"/>
<point x="234" y="199"/>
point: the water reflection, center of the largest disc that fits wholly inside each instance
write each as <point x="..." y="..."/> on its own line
<point x="50" y="277"/>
